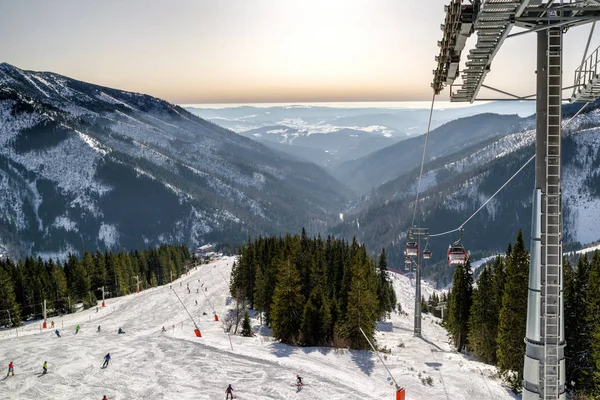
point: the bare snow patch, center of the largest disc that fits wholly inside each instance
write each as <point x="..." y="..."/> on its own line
<point x="109" y="235"/>
<point x="65" y="223"/>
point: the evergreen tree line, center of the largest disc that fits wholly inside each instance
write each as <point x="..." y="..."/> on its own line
<point x="490" y="320"/>
<point x="314" y="292"/>
<point x="26" y="284"/>
<point x="432" y="305"/>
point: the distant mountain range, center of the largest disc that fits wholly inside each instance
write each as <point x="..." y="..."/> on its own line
<point x="83" y="165"/>
<point x="329" y="136"/>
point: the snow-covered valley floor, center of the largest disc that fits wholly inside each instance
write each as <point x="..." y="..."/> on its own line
<point x="147" y="363"/>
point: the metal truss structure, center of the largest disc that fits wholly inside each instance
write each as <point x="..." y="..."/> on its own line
<point x="492" y="21"/>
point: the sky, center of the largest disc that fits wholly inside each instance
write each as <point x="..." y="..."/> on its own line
<point x="255" y="51"/>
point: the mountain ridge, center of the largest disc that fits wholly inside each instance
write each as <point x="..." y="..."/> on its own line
<point x="216" y="185"/>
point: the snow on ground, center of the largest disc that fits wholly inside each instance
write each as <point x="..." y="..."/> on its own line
<point x="589" y="249"/>
<point x="176" y="365"/>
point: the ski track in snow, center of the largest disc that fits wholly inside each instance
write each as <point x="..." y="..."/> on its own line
<point x="147" y="363"/>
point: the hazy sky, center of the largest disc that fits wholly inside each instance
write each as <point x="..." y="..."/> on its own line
<point x="213" y="51"/>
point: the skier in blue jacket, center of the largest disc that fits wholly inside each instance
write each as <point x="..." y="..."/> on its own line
<point x="106" y="360"/>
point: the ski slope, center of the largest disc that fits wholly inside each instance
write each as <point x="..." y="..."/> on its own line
<point x="147" y="363"/>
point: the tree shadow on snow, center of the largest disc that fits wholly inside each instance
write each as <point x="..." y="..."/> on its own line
<point x="434" y="365"/>
<point x="312" y="349"/>
<point x="385" y="326"/>
<point x="282" y="350"/>
<point x="429" y="342"/>
<point x="364" y="360"/>
<point x="263" y="330"/>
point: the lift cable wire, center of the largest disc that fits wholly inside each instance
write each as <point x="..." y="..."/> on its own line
<point x="423" y="159"/>
<point x="505" y="183"/>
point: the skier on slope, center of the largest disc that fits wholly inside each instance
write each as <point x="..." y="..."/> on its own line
<point x="45" y="367"/>
<point x="77" y="328"/>
<point x="120" y="331"/>
<point x="11" y="369"/>
<point x="163" y="329"/>
<point x="299" y="380"/>
<point x="57" y="333"/>
<point x="98" y="328"/>
<point x="229" y="392"/>
<point x="104" y="398"/>
<point x="106" y="360"/>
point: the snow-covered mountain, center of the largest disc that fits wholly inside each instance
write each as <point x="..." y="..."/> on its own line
<point x="455" y="185"/>
<point x="369" y="172"/>
<point x="175" y="364"/>
<point x="328" y="135"/>
<point x="324" y="149"/>
<point x="83" y="165"/>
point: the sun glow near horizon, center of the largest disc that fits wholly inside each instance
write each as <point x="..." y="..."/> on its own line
<point x="260" y="51"/>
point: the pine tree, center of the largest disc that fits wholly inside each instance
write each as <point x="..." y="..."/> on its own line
<point x="459" y="305"/>
<point x="260" y="298"/>
<point x="571" y="321"/>
<point x="424" y="305"/>
<point x="153" y="280"/>
<point x="316" y="320"/>
<point x="10" y="314"/>
<point x="246" y="326"/>
<point x="288" y="304"/>
<point x="385" y="291"/>
<point x="483" y="319"/>
<point x="362" y="306"/>
<point x="513" y="315"/>
<point x="578" y="327"/>
<point x="590" y="361"/>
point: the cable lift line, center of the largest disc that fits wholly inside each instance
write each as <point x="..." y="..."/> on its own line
<point x="461" y="226"/>
<point x="423" y="158"/>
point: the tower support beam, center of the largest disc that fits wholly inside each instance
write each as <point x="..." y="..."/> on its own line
<point x="544" y="368"/>
<point x="418" y="232"/>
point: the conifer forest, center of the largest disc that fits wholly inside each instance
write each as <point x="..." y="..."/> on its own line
<point x="489" y="320"/>
<point x="314" y="292"/>
<point x="25" y="285"/>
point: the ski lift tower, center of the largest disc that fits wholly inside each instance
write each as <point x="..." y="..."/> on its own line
<point x="492" y="21"/>
<point x="418" y="233"/>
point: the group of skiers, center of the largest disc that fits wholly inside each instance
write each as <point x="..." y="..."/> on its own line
<point x="11" y="368"/>
<point x="107" y="359"/>
<point x="78" y="328"/>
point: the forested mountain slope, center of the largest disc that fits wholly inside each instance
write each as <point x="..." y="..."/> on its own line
<point x="83" y="165"/>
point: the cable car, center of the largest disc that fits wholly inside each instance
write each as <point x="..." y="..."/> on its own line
<point x="426" y="254"/>
<point x="457" y="255"/>
<point x="411" y="250"/>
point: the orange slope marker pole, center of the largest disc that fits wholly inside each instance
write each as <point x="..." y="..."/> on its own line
<point x="211" y="306"/>
<point x="400" y="392"/>
<point x="197" y="330"/>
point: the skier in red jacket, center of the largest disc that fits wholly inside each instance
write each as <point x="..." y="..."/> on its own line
<point x="229" y="392"/>
<point x="10" y="369"/>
